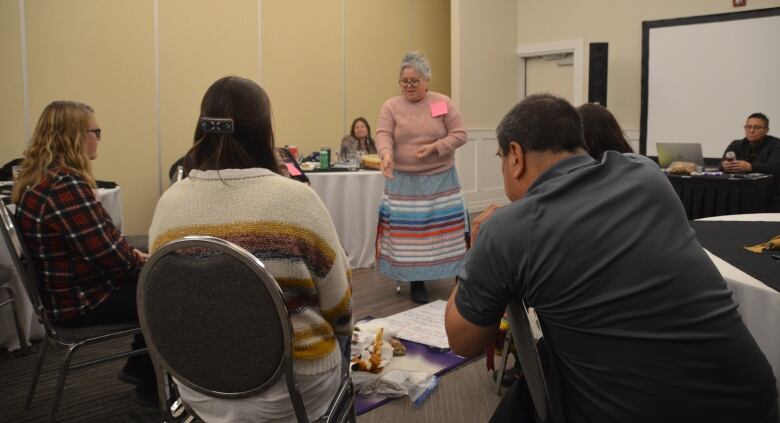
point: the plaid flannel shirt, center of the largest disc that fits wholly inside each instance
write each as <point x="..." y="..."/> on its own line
<point x="80" y="256"/>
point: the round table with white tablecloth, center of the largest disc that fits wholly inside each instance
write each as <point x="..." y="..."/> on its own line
<point x="352" y="199"/>
<point x="758" y="304"/>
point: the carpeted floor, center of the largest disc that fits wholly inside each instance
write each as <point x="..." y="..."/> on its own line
<point x="466" y="394"/>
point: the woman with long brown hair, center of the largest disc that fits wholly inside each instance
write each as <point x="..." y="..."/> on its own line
<point x="234" y="191"/>
<point x="602" y="131"/>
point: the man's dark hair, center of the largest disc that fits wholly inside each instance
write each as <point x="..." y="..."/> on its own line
<point x="760" y="116"/>
<point x="541" y="122"/>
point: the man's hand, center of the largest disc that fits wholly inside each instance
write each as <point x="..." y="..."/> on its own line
<point x="426" y="151"/>
<point x="735" y="166"/>
<point x="387" y="166"/>
<point x="485" y="215"/>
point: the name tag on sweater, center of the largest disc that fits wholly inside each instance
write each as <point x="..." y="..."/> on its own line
<point x="438" y="108"/>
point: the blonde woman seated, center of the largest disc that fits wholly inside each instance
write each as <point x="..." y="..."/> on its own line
<point x="235" y="192"/>
<point x="358" y="140"/>
<point x="88" y="271"/>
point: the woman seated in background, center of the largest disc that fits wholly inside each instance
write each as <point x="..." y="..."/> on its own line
<point x="359" y="139"/>
<point x="88" y="272"/>
<point x="279" y="220"/>
<point x="601" y="131"/>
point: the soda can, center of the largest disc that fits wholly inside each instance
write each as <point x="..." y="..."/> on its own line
<point x="324" y="158"/>
<point x="293" y="149"/>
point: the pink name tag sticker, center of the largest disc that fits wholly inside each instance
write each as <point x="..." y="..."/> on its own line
<point x="292" y="169"/>
<point x="439" y="108"/>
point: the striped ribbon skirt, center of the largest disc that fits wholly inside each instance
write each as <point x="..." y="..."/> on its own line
<point x="422" y="226"/>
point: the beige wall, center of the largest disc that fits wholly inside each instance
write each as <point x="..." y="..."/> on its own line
<point x="484" y="80"/>
<point x="144" y="66"/>
<point x="11" y="87"/>
<point x="620" y="24"/>
<point x="544" y="75"/>
<point x="191" y="58"/>
<point x="101" y="53"/>
<point x="484" y="86"/>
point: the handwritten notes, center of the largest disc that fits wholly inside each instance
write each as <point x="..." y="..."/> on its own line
<point x="423" y="324"/>
<point x="438" y="108"/>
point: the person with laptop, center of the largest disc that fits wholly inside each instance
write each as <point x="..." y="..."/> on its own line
<point x="756" y="152"/>
<point x="641" y="324"/>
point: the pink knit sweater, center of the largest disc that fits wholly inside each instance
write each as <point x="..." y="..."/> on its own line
<point x="403" y="127"/>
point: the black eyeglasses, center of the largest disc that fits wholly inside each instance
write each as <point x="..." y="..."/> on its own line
<point x="409" y="82"/>
<point x="96" y="131"/>
<point x="756" y="127"/>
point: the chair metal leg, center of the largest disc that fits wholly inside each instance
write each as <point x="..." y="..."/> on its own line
<point x="61" y="381"/>
<point x="37" y="370"/>
<point x="19" y="332"/>
<point x="504" y="357"/>
<point x="352" y="414"/>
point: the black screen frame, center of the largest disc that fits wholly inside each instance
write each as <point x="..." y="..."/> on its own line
<point x="692" y="20"/>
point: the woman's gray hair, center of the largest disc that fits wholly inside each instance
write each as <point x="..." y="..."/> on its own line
<point x="415" y="59"/>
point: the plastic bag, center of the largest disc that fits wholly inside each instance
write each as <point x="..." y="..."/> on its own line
<point x="396" y="383"/>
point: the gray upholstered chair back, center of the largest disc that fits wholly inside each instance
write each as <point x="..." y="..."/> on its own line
<point x="214" y="318"/>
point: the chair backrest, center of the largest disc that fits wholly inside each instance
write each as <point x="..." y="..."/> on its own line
<point x="22" y="261"/>
<point x="537" y="362"/>
<point x="215" y="319"/>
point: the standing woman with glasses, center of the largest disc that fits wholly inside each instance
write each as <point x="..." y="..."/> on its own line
<point x="88" y="271"/>
<point x="422" y="217"/>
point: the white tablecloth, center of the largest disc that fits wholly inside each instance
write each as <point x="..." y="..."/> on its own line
<point x="759" y="304"/>
<point x="352" y="199"/>
<point x="112" y="201"/>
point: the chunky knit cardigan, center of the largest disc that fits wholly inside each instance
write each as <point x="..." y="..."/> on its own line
<point x="284" y="224"/>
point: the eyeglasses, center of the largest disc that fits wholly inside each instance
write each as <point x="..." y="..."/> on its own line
<point x="755" y="127"/>
<point x="96" y="131"/>
<point x="409" y="82"/>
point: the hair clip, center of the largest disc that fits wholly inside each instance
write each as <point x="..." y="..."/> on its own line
<point x="217" y="125"/>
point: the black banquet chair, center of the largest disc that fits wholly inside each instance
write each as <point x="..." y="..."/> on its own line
<point x="10" y="300"/>
<point x="215" y="321"/>
<point x="71" y="339"/>
<point x="537" y="362"/>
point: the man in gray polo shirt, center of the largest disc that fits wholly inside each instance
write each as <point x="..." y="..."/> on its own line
<point x="640" y="322"/>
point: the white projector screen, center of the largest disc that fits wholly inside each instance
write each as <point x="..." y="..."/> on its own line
<point x="702" y="76"/>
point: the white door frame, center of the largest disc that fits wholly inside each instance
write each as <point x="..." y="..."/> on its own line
<point x="575" y="47"/>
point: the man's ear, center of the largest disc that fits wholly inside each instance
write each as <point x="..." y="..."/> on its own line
<point x="517" y="159"/>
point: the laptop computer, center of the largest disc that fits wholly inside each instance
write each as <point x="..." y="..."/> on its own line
<point x="669" y="152"/>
